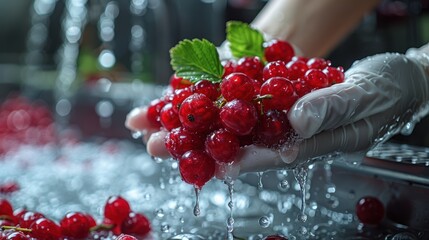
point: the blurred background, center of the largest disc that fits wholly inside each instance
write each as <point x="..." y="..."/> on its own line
<point x="93" y="61"/>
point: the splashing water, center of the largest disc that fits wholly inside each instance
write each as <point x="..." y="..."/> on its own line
<point x="300" y="174"/>
<point x="230" y="221"/>
<point x="197" y="210"/>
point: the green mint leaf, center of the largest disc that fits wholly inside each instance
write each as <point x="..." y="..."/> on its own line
<point x="244" y="40"/>
<point x="196" y="60"/>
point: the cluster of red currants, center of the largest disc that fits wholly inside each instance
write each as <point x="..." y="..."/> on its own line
<point x="209" y="121"/>
<point x="119" y="219"/>
<point x="23" y="122"/>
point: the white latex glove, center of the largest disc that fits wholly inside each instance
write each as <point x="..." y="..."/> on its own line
<point x="382" y="96"/>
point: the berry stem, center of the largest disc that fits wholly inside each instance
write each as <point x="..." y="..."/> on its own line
<point x="16" y="228"/>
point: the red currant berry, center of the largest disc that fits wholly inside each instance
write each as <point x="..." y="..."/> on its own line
<point x="9" y="187"/>
<point x="16" y="236"/>
<point x="275" y="69"/>
<point x="136" y="224"/>
<point x="6" y="208"/>
<point x="116" y="209"/>
<point x="315" y="79"/>
<point x="273" y="128"/>
<point x="45" y="229"/>
<point x="280" y="94"/>
<point x="251" y="66"/>
<point x="229" y="67"/>
<point x="237" y="86"/>
<point x="153" y="110"/>
<point x="300" y="87"/>
<point x="222" y="146"/>
<point x="75" y="225"/>
<point x="28" y="218"/>
<point x="91" y="220"/>
<point x="335" y="75"/>
<point x="179" y="140"/>
<point x="196" y="167"/>
<point x="179" y="96"/>
<point x="6" y="222"/>
<point x="169" y="118"/>
<point x="296" y="69"/>
<point x="178" y="82"/>
<point x="278" y="50"/>
<point x="211" y="90"/>
<point x="126" y="237"/>
<point x="239" y="116"/>
<point x="275" y="237"/>
<point x="370" y="210"/>
<point x="318" y="63"/>
<point x="198" y="112"/>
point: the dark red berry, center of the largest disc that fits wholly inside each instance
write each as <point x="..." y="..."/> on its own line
<point x="169" y="118"/>
<point x="275" y="69"/>
<point x="9" y="187"/>
<point x="178" y="82"/>
<point x="211" y="90"/>
<point x="75" y="225"/>
<point x="91" y="220"/>
<point x="196" y="167"/>
<point x="239" y="116"/>
<point x="279" y="92"/>
<point x="370" y="210"/>
<point x="179" y="140"/>
<point x="229" y="67"/>
<point x="297" y="69"/>
<point x="222" y="145"/>
<point x="335" y="75"/>
<point x="301" y="87"/>
<point x="315" y="79"/>
<point x="251" y="66"/>
<point x="153" y="110"/>
<point x="278" y="50"/>
<point x="237" y="86"/>
<point x="116" y="209"/>
<point x="318" y="63"/>
<point x="180" y="95"/>
<point x="197" y="113"/>
<point x="136" y="224"/>
<point x="28" y="218"/>
<point x="6" y="208"/>
<point x="45" y="229"/>
<point x="273" y="128"/>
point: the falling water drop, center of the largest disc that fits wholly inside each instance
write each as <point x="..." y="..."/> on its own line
<point x="136" y="134"/>
<point x="301" y="177"/>
<point x="230" y="222"/>
<point x="284" y="185"/>
<point x="160" y="213"/>
<point x="197" y="210"/>
<point x="260" y="184"/>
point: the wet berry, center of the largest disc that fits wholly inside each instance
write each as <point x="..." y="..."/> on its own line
<point x="297" y="69"/>
<point x="278" y="50"/>
<point x="116" y="209"/>
<point x="370" y="210"/>
<point x="229" y="67"/>
<point x="6" y="208"/>
<point x="45" y="229"/>
<point x="196" y="167"/>
<point x="275" y="237"/>
<point x="301" y="87"/>
<point x="335" y="75"/>
<point x="275" y="69"/>
<point x="136" y="224"/>
<point x="280" y="94"/>
<point x="169" y="118"/>
<point x="179" y="140"/>
<point x="178" y="82"/>
<point x="75" y="225"/>
<point x="251" y="66"/>
<point x="222" y="145"/>
<point x="27" y="219"/>
<point x="179" y="96"/>
<point x="153" y="110"/>
<point x="16" y="236"/>
<point x="197" y="113"/>
<point x="315" y="79"/>
<point x="273" y="128"/>
<point x="239" y="116"/>
<point x="318" y="63"/>
<point x="126" y="237"/>
<point x="211" y="90"/>
<point x="237" y="86"/>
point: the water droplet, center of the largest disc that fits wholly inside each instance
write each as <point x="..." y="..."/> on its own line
<point x="302" y="217"/>
<point x="157" y="159"/>
<point x="330" y="187"/>
<point x="160" y="213"/>
<point x="300" y="174"/>
<point x="230" y="222"/>
<point x="303" y="230"/>
<point x="197" y="211"/>
<point x="165" y="227"/>
<point x="264" y="221"/>
<point x="284" y="185"/>
<point x="260" y="184"/>
<point x="404" y="236"/>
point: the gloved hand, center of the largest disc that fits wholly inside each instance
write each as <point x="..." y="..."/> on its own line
<point x="381" y="96"/>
